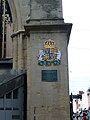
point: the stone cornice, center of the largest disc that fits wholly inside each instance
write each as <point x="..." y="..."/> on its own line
<point x="61" y="27"/>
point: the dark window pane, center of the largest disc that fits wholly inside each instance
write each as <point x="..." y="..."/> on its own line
<point x="8" y="96"/>
<point x="15" y="116"/>
<point x="15" y="108"/>
<point x="1" y="97"/>
<point x="15" y="94"/>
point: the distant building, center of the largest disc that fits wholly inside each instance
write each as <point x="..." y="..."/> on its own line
<point x="88" y="95"/>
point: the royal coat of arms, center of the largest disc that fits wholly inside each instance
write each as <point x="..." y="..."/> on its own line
<point x="49" y="54"/>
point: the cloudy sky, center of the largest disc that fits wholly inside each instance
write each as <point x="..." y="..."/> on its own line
<point x="76" y="12"/>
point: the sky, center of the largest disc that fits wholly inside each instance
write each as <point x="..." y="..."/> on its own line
<point x="76" y="12"/>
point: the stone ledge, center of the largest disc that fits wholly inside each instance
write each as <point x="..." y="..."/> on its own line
<point x="61" y="27"/>
<point x="17" y="32"/>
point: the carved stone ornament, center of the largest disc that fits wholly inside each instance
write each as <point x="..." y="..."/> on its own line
<point x="49" y="54"/>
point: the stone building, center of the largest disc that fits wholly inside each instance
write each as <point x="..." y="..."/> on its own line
<point x="39" y="71"/>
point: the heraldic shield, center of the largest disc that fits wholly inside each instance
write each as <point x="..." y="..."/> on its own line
<point x="49" y="54"/>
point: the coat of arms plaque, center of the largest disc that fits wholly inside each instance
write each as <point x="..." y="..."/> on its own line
<point x="49" y="54"/>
